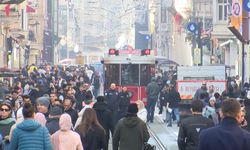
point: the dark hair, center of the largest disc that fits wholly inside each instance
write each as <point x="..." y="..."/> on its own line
<point x="89" y="95"/>
<point x="197" y="106"/>
<point x="230" y="108"/>
<point x="28" y="110"/>
<point x="100" y="99"/>
<point x="89" y="119"/>
<point x="216" y="95"/>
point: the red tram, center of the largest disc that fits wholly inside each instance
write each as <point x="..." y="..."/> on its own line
<point x="132" y="71"/>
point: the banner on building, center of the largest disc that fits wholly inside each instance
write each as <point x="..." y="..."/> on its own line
<point x="31" y="6"/>
<point x="187" y="88"/>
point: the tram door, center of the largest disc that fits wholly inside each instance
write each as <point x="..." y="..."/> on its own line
<point x="134" y="76"/>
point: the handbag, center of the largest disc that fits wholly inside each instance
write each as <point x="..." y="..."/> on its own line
<point x="146" y="145"/>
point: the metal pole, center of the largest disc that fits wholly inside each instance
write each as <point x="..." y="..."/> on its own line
<point x="243" y="65"/>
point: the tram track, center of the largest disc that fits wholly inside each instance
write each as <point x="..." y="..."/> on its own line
<point x="159" y="145"/>
<point x="163" y="137"/>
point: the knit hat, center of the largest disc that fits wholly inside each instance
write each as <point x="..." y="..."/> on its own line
<point x="65" y="122"/>
<point x="55" y="111"/>
<point x="212" y="99"/>
<point x="132" y="108"/>
<point x="43" y="101"/>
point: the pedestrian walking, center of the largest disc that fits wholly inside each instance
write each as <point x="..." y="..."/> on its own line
<point x="30" y="134"/>
<point x="228" y="135"/>
<point x="191" y="127"/>
<point x="152" y="91"/>
<point x="91" y="132"/>
<point x="131" y="132"/>
<point x="65" y="138"/>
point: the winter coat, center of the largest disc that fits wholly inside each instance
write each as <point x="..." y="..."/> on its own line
<point x="104" y="116"/>
<point x="112" y="99"/>
<point x="226" y="136"/>
<point x="190" y="129"/>
<point x="124" y="99"/>
<point x="142" y="114"/>
<point x="130" y="134"/>
<point x="68" y="140"/>
<point x="80" y="114"/>
<point x="30" y="134"/>
<point x="173" y="99"/>
<point x="5" y="126"/>
<point x="73" y="114"/>
<point x="52" y="125"/>
<point x="209" y="112"/>
<point x="94" y="139"/>
<point x="152" y="90"/>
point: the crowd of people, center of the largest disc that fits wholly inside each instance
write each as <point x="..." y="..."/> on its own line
<point x="50" y="107"/>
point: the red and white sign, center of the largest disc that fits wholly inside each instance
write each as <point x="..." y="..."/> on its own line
<point x="187" y="88"/>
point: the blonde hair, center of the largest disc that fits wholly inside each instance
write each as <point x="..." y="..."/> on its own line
<point x="140" y="104"/>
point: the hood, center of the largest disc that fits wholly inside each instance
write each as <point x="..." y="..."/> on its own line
<point x="100" y="106"/>
<point x="29" y="125"/>
<point x="6" y="121"/>
<point x="131" y="121"/>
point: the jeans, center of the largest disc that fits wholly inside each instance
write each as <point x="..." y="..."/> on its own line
<point x="150" y="109"/>
<point x="169" y="116"/>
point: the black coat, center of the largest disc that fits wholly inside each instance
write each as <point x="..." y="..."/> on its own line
<point x="190" y="128"/>
<point x="104" y="116"/>
<point x="163" y="98"/>
<point x="226" y="136"/>
<point x="52" y="125"/>
<point x="73" y="114"/>
<point x="94" y="139"/>
<point x="173" y="98"/>
<point x="112" y="99"/>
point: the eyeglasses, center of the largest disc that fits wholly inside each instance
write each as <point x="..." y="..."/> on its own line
<point x="2" y="109"/>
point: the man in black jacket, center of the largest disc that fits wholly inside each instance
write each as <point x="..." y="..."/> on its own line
<point x="67" y="104"/>
<point x="112" y="99"/>
<point x="191" y="127"/>
<point x="172" y="105"/>
<point x="124" y="99"/>
<point x="228" y="135"/>
<point x="104" y="116"/>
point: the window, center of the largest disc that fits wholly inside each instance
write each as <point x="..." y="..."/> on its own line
<point x="129" y="74"/>
<point x="223" y="10"/>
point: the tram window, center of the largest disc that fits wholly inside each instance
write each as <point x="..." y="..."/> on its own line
<point x="147" y="71"/>
<point x="130" y="74"/>
<point x="111" y="74"/>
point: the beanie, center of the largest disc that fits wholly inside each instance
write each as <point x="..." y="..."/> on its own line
<point x="43" y="101"/>
<point x="132" y="108"/>
<point x="55" y="111"/>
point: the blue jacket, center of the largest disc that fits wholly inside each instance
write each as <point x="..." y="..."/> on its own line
<point x="30" y="135"/>
<point x="226" y="136"/>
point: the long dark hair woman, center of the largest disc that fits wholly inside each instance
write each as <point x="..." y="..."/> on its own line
<point x="6" y="122"/>
<point x="91" y="132"/>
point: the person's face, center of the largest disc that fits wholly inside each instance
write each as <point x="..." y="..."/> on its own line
<point x="41" y="108"/>
<point x="112" y="86"/>
<point x="26" y="100"/>
<point x="124" y="89"/>
<point x="14" y="95"/>
<point x="204" y="86"/>
<point x="240" y="117"/>
<point x="53" y="97"/>
<point x="67" y="104"/>
<point x="5" y="112"/>
<point x="212" y="103"/>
